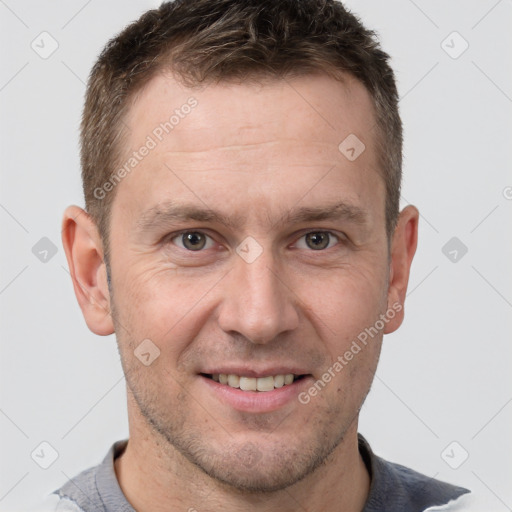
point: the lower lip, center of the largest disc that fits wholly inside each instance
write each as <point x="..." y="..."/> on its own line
<point x="257" y="401"/>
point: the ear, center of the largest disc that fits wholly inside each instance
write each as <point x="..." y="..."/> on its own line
<point x="84" y="252"/>
<point x="405" y="240"/>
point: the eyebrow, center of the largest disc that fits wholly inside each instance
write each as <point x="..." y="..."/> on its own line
<point x="170" y="213"/>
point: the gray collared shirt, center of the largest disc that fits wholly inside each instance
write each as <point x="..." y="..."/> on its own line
<point x="394" y="488"/>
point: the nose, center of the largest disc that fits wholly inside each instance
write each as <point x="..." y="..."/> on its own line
<point x="257" y="302"/>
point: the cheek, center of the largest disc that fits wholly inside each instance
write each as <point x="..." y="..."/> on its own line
<point x="163" y="304"/>
<point x="344" y="301"/>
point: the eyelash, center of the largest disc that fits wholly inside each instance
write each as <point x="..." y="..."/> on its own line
<point x="170" y="238"/>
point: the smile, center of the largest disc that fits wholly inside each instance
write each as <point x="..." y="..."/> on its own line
<point x="267" y="383"/>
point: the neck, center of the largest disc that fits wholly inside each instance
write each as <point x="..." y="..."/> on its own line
<point x="155" y="477"/>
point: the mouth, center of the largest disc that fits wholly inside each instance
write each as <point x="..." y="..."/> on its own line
<point x="254" y="384"/>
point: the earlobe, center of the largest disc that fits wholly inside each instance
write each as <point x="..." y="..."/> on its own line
<point x="405" y="241"/>
<point x="84" y="253"/>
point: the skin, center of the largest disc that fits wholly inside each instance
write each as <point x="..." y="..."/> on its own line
<point x="253" y="152"/>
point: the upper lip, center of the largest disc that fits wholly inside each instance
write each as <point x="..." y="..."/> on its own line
<point x="245" y="371"/>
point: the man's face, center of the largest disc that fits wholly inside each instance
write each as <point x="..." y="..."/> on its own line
<point x="268" y="286"/>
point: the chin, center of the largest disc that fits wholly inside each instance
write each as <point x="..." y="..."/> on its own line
<point x="258" y="466"/>
<point x="268" y="475"/>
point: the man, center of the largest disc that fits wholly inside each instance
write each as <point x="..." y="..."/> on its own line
<point x="241" y="162"/>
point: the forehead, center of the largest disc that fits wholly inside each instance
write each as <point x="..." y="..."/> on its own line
<point x="270" y="108"/>
<point x="247" y="145"/>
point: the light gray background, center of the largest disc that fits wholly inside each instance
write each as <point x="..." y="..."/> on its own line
<point x="443" y="377"/>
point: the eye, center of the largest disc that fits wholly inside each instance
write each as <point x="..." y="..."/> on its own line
<point x="318" y="240"/>
<point x="192" y="241"/>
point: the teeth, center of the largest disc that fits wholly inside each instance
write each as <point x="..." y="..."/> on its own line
<point x="266" y="383"/>
<point x="234" y="381"/>
<point x="247" y="383"/>
<point x="254" y="384"/>
<point x="279" y="381"/>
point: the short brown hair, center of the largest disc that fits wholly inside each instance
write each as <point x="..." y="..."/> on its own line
<point x="205" y="41"/>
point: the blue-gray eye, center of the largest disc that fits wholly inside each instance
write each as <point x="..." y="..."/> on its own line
<point x="193" y="241"/>
<point x="318" y="240"/>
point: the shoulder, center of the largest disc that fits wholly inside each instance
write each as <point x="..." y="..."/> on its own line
<point x="79" y="488"/>
<point x="466" y="503"/>
<point x="398" y="488"/>
<point x="89" y="490"/>
<point x="418" y="484"/>
<point x="71" y="497"/>
<point x="416" y="491"/>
